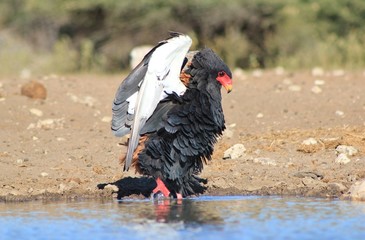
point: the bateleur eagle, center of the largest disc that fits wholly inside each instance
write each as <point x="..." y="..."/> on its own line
<point x="171" y="106"/>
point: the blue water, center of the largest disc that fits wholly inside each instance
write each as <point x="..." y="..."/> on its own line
<point x="197" y="218"/>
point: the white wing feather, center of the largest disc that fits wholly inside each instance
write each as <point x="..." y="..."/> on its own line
<point x="163" y="75"/>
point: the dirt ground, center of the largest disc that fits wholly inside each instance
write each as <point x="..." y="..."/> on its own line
<point x="62" y="147"/>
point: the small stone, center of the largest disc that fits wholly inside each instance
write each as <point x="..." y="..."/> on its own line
<point x="113" y="188"/>
<point x="295" y="88"/>
<point x="62" y="187"/>
<point x="348" y="150"/>
<point x="259" y="115"/>
<point x="310" y="141"/>
<point x="48" y="124"/>
<point x="60" y="139"/>
<point x="106" y="119"/>
<point x="316" y="89"/>
<point x="44" y="174"/>
<point x="19" y="161"/>
<point x="36" y="112"/>
<point x="34" y="138"/>
<point x="309" y="145"/>
<point x="234" y="152"/>
<point x="339" y="113"/>
<point x="356" y="191"/>
<point x="319" y="82"/>
<point x="317" y="71"/>
<point x="342" y="159"/>
<point x="265" y="161"/>
<point x="34" y="90"/>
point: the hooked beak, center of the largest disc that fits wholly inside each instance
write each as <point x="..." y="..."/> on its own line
<point x="228" y="87"/>
<point x="226" y="82"/>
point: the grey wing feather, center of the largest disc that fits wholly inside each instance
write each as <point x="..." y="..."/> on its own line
<point x="122" y="120"/>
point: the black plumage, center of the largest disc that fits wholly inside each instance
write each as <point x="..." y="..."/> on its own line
<point x="182" y="131"/>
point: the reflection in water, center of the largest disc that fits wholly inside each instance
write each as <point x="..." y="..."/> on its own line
<point x="195" y="218"/>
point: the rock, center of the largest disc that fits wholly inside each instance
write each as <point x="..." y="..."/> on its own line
<point x="356" y="192"/>
<point x="339" y="113"/>
<point x="36" y="112"/>
<point x="44" y="174"/>
<point x="342" y="159"/>
<point x="234" y="152"/>
<point x="113" y="188"/>
<point x="87" y="100"/>
<point x="317" y="71"/>
<point x="337" y="187"/>
<point x="319" y="82"/>
<point x="295" y="88"/>
<point x="265" y="161"/>
<point x="309" y="145"/>
<point x="48" y="124"/>
<point x="309" y="141"/>
<point x="259" y="115"/>
<point x="106" y="119"/>
<point x="34" y="90"/>
<point x="348" y="150"/>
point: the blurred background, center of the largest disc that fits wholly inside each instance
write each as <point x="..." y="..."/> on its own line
<point x="65" y="36"/>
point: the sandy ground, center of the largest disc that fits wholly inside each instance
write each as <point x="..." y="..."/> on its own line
<point x="62" y="147"/>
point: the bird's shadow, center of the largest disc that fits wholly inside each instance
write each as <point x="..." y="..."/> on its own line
<point x="132" y="186"/>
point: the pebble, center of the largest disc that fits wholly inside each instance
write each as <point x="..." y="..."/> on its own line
<point x="265" y="161"/>
<point x="106" y="119"/>
<point x="348" y="150"/>
<point x="48" y="124"/>
<point x="317" y="71"/>
<point x="316" y="89"/>
<point x="259" y="115"/>
<point x="36" y="112"/>
<point x="114" y="188"/>
<point x="87" y="100"/>
<point x="319" y="82"/>
<point x="34" y="90"/>
<point x="310" y="141"/>
<point x="339" y="113"/>
<point x="44" y="174"/>
<point x="234" y="152"/>
<point x="342" y="159"/>
<point x="356" y="191"/>
<point x="295" y="88"/>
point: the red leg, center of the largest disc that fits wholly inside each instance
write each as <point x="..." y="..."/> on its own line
<point x="179" y="196"/>
<point x="162" y="188"/>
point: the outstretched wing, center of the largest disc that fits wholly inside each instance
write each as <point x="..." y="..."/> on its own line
<point x="152" y="80"/>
